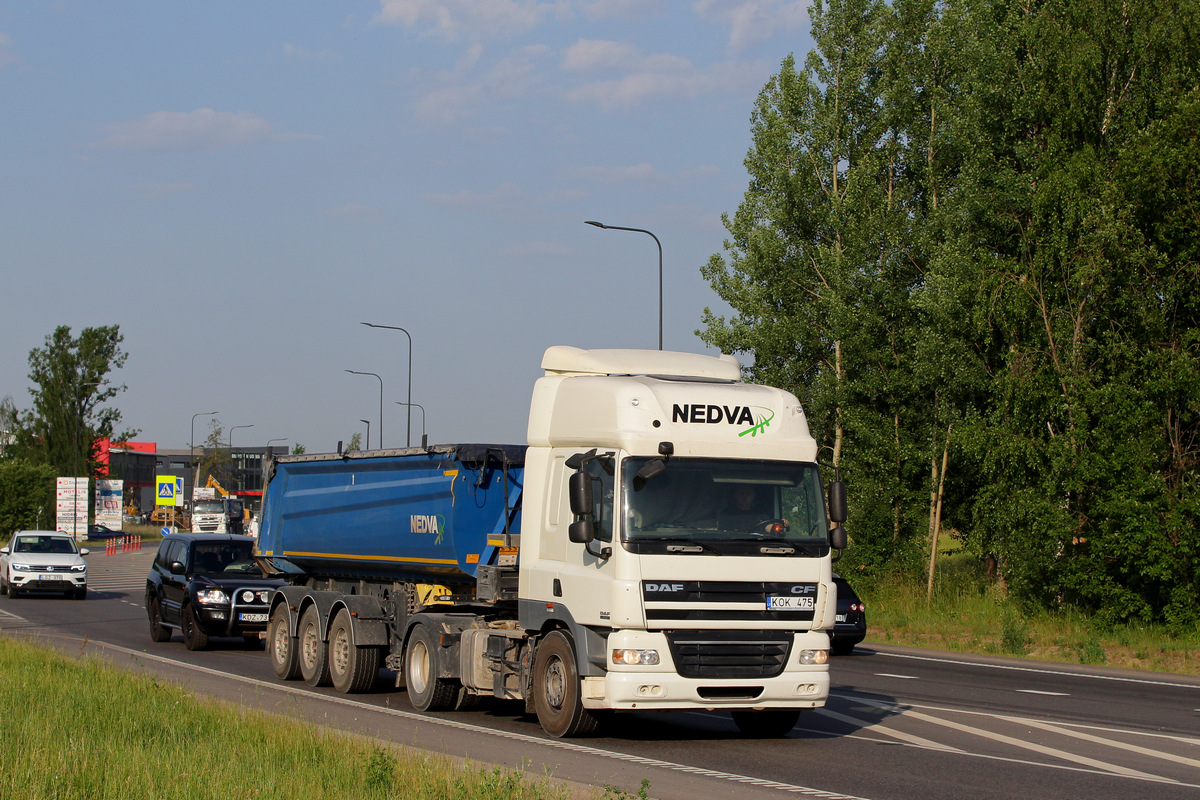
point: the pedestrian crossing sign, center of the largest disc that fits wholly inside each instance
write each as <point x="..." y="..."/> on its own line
<point x="165" y="494"/>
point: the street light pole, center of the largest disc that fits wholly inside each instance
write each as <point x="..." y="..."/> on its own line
<point x="660" y="268"/>
<point x="408" y="425"/>
<point x="231" y="430"/>
<point x="368" y="444"/>
<point x="424" y="441"/>
<point x="271" y="452"/>
<point x="353" y="372"/>
<point x="192" y="446"/>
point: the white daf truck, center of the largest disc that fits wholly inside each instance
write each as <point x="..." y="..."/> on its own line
<point x="661" y="544"/>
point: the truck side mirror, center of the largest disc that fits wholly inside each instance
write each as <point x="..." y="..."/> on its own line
<point x="837" y="502"/>
<point x="582" y="531"/>
<point x="580" y="489"/>
<point x="837" y="538"/>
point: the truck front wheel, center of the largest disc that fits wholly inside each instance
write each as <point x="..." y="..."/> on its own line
<point x="352" y="669"/>
<point x="283" y="647"/>
<point x="426" y="691"/>
<point x="556" y="689"/>
<point x="314" y="666"/>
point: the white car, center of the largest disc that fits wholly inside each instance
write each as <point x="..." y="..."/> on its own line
<point x="43" y="561"/>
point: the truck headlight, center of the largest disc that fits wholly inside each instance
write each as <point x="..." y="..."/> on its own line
<point x="212" y="597"/>
<point x="811" y="657"/>
<point x="631" y="657"/>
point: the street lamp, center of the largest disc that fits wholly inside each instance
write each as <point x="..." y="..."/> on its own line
<point x="231" y="430"/>
<point x="192" y="444"/>
<point x="353" y="372"/>
<point x="408" y="427"/>
<point x="424" y="439"/>
<point x="367" y="446"/>
<point x="271" y="452"/>
<point x="660" y="268"/>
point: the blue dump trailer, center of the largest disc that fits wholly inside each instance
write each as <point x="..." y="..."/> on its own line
<point x="663" y="543"/>
<point x="429" y="516"/>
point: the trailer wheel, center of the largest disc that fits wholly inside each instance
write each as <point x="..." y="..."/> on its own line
<point x="193" y="637"/>
<point x="283" y="647"/>
<point x="770" y="723"/>
<point x="352" y="669"/>
<point x="314" y="666"/>
<point x="158" y="631"/>
<point x="426" y="691"/>
<point x="556" y="694"/>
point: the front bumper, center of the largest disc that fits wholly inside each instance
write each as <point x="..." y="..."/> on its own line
<point x="48" y="582"/>
<point x="661" y="687"/>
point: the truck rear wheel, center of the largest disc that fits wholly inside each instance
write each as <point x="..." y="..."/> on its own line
<point x="314" y="666"/>
<point x="556" y="689"/>
<point x="770" y="723"/>
<point x="352" y="669"/>
<point x="426" y="691"/>
<point x="283" y="647"/>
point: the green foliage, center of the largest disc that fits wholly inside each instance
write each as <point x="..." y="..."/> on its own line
<point x="298" y="449"/>
<point x="980" y="217"/>
<point x="27" y="495"/>
<point x="354" y="445"/>
<point x="71" y="385"/>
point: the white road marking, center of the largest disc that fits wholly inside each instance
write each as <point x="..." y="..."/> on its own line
<point x="886" y="731"/>
<point x="894" y="675"/>
<point x="1042" y="671"/>
<point x="1048" y="694"/>
<point x="1018" y="743"/>
<point x="1087" y="737"/>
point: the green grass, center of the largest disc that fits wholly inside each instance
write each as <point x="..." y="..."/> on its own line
<point x="968" y="614"/>
<point x="79" y="728"/>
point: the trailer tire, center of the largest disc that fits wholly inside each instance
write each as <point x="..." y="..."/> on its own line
<point x="158" y="631"/>
<point x="556" y="690"/>
<point x="193" y="637"/>
<point x="426" y="691"/>
<point x="314" y="665"/>
<point x="282" y="646"/>
<point x="352" y="669"/>
<point x="771" y="723"/>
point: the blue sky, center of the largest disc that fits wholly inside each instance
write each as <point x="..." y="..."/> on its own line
<point x="239" y="184"/>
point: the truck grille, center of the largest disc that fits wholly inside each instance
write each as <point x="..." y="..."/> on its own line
<point x="729" y="654"/>
<point x="723" y="601"/>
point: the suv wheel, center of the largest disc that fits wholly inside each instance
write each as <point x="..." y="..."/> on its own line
<point x="193" y="637"/>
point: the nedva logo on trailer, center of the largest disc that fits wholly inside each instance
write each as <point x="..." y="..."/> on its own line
<point x="427" y="523"/>
<point x="757" y="417"/>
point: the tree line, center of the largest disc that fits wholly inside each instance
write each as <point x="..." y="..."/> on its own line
<point x="970" y="244"/>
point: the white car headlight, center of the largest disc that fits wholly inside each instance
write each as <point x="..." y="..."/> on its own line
<point x="21" y="567"/>
<point x="212" y="597"/>
<point x="79" y="568"/>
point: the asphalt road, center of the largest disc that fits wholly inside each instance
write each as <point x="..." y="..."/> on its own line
<point x="900" y="723"/>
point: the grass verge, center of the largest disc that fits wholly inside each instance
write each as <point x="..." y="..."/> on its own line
<point x="80" y="728"/>
<point x="963" y="617"/>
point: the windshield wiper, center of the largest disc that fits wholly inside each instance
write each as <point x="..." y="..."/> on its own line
<point x="808" y="548"/>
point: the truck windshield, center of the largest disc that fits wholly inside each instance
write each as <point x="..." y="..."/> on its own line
<point x="726" y="506"/>
<point x="207" y="507"/>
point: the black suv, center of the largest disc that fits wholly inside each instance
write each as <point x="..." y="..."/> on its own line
<point x="207" y="585"/>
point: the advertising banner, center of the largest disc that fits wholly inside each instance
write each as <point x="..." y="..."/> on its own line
<point x="71" y="506"/>
<point x="109" y="494"/>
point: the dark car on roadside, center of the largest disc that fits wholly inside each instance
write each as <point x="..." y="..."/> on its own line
<point x="207" y="585"/>
<point x="98" y="532"/>
<point x="850" y="622"/>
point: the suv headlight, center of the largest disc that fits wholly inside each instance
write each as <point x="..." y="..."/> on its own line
<point x="79" y="568"/>
<point x="21" y="567"/>
<point x="212" y="597"/>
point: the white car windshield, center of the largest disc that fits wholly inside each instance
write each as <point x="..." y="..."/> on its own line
<point x="44" y="544"/>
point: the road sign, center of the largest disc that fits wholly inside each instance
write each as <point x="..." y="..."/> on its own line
<point x="179" y="491"/>
<point x="165" y="492"/>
